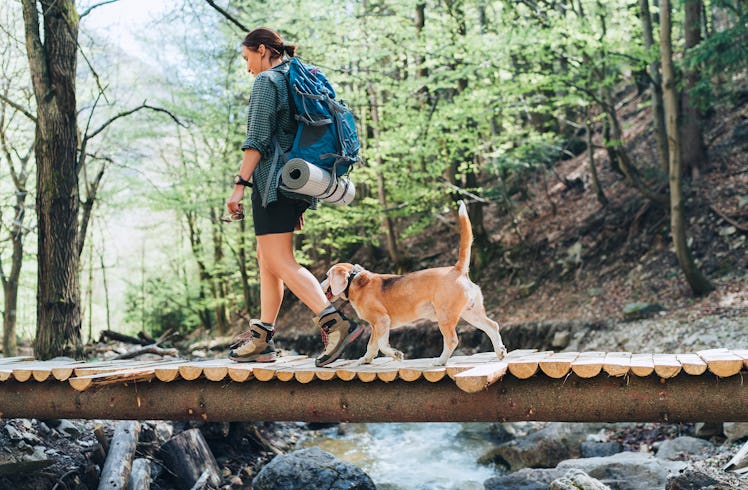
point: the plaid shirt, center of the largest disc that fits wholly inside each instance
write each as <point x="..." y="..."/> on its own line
<point x="270" y="120"/>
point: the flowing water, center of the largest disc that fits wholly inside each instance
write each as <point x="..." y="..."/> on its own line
<point x="413" y="456"/>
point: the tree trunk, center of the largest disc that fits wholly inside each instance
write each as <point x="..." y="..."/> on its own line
<point x="53" y="70"/>
<point x="693" y="150"/>
<point x="242" y="258"/>
<point x="218" y="277"/>
<point x="698" y="282"/>
<point x="593" y="169"/>
<point x="655" y="86"/>
<point x="196" y="246"/>
<point x="388" y="222"/>
<point x="10" y="283"/>
<point x="116" y="471"/>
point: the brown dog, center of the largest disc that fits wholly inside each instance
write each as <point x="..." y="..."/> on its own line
<point x="442" y="294"/>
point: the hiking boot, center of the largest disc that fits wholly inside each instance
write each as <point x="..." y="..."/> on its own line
<point x="254" y="345"/>
<point x="338" y="332"/>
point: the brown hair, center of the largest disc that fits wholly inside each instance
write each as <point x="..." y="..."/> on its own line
<point x="271" y="40"/>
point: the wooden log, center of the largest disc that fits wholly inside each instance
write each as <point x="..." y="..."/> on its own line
<point x="558" y="365"/>
<point x="692" y="364"/>
<point x="82" y="383"/>
<point x="168" y="372"/>
<point x="116" y="471"/>
<point x="617" y="363"/>
<point x="382" y="368"/>
<point x="743" y="354"/>
<point x="642" y="365"/>
<point x="525" y="367"/>
<point x="241" y="372"/>
<point x="148" y="349"/>
<point x="666" y="365"/>
<point x="140" y="476"/>
<point x="265" y="371"/>
<point x="120" y="337"/>
<point x="721" y="362"/>
<point x="739" y="461"/>
<point x="588" y="364"/>
<point x="188" y="457"/>
<point x="481" y="377"/>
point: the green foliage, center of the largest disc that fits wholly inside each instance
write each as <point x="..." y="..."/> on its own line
<point x="483" y="96"/>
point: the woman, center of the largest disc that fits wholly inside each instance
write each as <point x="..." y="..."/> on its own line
<point x="275" y="213"/>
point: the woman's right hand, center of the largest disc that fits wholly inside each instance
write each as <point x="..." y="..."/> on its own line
<point x="234" y="204"/>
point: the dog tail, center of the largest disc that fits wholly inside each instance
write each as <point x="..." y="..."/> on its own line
<point x="466" y="240"/>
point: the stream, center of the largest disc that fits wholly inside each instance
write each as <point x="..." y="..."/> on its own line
<point x="413" y="456"/>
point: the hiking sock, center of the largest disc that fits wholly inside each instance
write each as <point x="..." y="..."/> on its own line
<point x="328" y="309"/>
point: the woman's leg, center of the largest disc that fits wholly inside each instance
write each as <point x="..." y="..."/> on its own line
<point x="278" y="266"/>
<point x="271" y="290"/>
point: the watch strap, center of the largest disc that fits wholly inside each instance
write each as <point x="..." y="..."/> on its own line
<point x="238" y="180"/>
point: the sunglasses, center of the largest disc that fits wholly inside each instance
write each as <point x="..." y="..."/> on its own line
<point x="233" y="217"/>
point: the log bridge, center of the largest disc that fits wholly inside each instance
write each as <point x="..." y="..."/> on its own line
<point x="705" y="386"/>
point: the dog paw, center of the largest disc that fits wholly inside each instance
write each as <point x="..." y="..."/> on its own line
<point x="398" y="356"/>
<point x="363" y="361"/>
<point x="501" y="354"/>
<point x="439" y="362"/>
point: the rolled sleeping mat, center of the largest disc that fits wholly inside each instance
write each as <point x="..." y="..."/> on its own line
<point x="302" y="177"/>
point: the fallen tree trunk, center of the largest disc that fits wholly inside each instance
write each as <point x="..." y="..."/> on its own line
<point x="116" y="471"/>
<point x="140" y="476"/>
<point x="148" y="349"/>
<point x="120" y="337"/>
<point x="188" y="456"/>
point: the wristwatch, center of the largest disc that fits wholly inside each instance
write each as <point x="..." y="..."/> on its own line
<point x="238" y="180"/>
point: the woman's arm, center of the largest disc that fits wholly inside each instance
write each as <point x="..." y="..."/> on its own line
<point x="249" y="163"/>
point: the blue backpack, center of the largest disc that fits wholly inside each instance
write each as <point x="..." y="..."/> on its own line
<point x="327" y="135"/>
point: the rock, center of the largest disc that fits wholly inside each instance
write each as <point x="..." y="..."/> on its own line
<point x="735" y="430"/>
<point x="627" y="470"/>
<point x="544" y="448"/>
<point x="163" y="430"/>
<point x="524" y="479"/>
<point x="678" y="448"/>
<point x="592" y="449"/>
<point x="561" y="339"/>
<point x="68" y="428"/>
<point x="13" y="433"/>
<point x="640" y="311"/>
<point x="705" y="430"/>
<point x="694" y="480"/>
<point x="577" y="480"/>
<point x="311" y="468"/>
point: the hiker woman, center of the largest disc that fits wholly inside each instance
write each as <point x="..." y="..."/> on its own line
<point x="271" y="128"/>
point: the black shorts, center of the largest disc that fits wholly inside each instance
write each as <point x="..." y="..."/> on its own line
<point x="280" y="216"/>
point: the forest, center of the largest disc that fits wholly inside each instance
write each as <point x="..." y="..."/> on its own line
<point x="118" y="147"/>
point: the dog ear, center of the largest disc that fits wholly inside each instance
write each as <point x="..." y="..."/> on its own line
<point x="338" y="280"/>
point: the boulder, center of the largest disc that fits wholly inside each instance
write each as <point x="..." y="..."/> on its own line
<point x="735" y="431"/>
<point x="311" y="468"/>
<point x="577" y="480"/>
<point x="694" y="480"/>
<point x="524" y="479"/>
<point x="678" y="448"/>
<point x="641" y="311"/>
<point x="544" y="448"/>
<point x="594" y="449"/>
<point x="627" y="470"/>
<point x="705" y="430"/>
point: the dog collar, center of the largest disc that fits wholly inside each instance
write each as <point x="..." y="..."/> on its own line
<point x="354" y="272"/>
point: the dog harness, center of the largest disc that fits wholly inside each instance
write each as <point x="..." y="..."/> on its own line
<point x="354" y="272"/>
